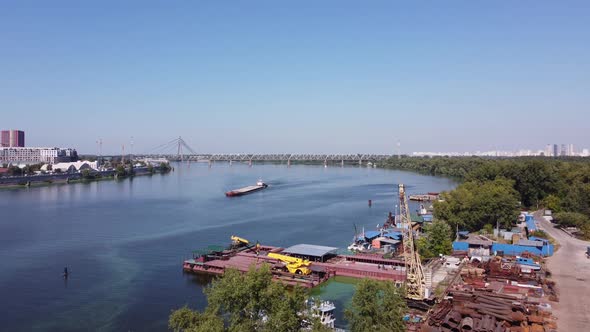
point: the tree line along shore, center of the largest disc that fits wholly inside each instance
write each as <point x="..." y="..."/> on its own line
<point x="494" y="190"/>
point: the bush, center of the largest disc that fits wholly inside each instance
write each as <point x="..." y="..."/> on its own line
<point x="571" y="219"/>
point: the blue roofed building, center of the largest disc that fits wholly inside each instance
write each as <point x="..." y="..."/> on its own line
<point x="530" y="223"/>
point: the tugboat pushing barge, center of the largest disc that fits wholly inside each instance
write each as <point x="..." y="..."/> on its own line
<point x="247" y="190"/>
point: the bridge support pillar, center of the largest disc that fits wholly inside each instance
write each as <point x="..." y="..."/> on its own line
<point x="209" y="163"/>
<point x="250" y="163"/>
<point x="360" y="162"/>
<point x="325" y="162"/>
<point x="230" y="162"/>
<point x="342" y="163"/>
<point x="288" y="162"/>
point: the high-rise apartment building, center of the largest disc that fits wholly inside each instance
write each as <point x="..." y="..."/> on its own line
<point x="570" y="150"/>
<point x="548" y="151"/>
<point x="12" y="139"/>
<point x="30" y="155"/>
<point x="555" y="151"/>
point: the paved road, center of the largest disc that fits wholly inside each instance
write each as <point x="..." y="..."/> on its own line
<point x="571" y="271"/>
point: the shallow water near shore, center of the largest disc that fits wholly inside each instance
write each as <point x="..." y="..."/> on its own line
<point x="124" y="241"/>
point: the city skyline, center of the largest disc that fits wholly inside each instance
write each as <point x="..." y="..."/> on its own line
<point x="271" y="77"/>
<point x="571" y="150"/>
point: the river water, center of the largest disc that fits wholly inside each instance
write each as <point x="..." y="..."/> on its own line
<point x="124" y="241"/>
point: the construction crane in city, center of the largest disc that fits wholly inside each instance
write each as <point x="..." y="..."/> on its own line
<point x="415" y="281"/>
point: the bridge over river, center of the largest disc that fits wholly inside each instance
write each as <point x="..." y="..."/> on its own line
<point x="181" y="151"/>
<point x="286" y="157"/>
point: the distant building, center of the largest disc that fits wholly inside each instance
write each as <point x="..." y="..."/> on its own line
<point x="585" y="153"/>
<point x="555" y="151"/>
<point x="563" y="150"/>
<point x="570" y="150"/>
<point x="72" y="167"/>
<point x="548" y="151"/>
<point x="12" y="139"/>
<point x="21" y="155"/>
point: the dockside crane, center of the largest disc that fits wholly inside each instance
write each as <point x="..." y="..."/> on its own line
<point x="415" y="281"/>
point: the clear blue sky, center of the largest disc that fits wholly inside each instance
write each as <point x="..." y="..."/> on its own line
<point x="297" y="76"/>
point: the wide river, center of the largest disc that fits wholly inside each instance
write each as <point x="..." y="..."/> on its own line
<point x="124" y="241"/>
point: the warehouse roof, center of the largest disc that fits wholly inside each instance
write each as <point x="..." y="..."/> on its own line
<point x="310" y="250"/>
<point x="372" y="234"/>
<point x="386" y="240"/>
<point x="393" y="235"/>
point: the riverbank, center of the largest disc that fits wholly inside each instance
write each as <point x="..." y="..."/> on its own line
<point x="66" y="178"/>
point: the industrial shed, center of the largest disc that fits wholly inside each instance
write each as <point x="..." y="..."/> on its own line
<point x="311" y="252"/>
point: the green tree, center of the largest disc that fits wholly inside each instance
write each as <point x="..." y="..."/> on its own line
<point x="249" y="302"/>
<point x="553" y="203"/>
<point x="15" y="171"/>
<point x="185" y="319"/>
<point x="437" y="239"/>
<point x="577" y="198"/>
<point x="473" y="204"/>
<point x="571" y="219"/>
<point x="87" y="174"/>
<point x="120" y="170"/>
<point x="165" y="167"/>
<point x="376" y="306"/>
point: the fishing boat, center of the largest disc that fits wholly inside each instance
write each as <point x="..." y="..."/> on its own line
<point x="247" y="190"/>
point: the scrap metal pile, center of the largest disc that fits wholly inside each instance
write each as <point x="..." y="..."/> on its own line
<point x="495" y="296"/>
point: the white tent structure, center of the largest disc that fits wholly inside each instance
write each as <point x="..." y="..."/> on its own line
<point x="72" y="167"/>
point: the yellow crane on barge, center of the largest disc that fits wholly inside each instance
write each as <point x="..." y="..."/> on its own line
<point x="293" y="264"/>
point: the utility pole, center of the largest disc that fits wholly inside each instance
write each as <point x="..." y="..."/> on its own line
<point x="100" y="151"/>
<point x="131" y="155"/>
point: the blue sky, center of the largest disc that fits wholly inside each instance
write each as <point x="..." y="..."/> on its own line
<point x="299" y="76"/>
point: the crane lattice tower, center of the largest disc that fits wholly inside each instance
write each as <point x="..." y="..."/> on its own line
<point x="415" y="281"/>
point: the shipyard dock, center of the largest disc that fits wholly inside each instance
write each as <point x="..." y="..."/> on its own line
<point x="322" y="262"/>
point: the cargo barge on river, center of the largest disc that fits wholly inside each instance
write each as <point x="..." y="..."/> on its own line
<point x="429" y="197"/>
<point x="303" y="264"/>
<point x="247" y="190"/>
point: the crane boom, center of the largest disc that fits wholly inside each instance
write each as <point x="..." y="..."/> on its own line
<point x="237" y="240"/>
<point x="415" y="281"/>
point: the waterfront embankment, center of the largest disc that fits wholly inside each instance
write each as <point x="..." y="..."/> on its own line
<point x="47" y="179"/>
